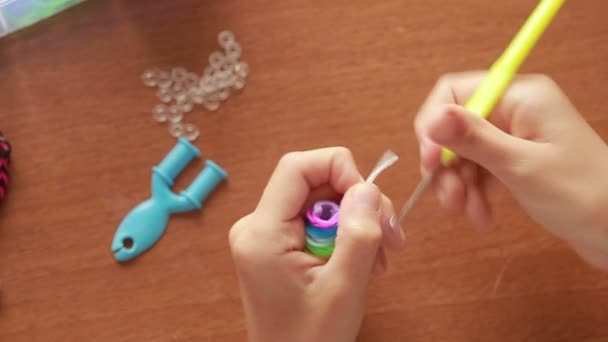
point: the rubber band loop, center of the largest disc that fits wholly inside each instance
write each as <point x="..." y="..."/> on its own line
<point x="324" y="214"/>
<point x="324" y="252"/>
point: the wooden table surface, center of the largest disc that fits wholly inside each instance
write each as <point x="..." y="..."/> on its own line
<point x="323" y="73"/>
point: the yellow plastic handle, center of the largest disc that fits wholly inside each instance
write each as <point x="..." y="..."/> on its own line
<point x="504" y="69"/>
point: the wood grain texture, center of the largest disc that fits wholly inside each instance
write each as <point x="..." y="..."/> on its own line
<point x="323" y="73"/>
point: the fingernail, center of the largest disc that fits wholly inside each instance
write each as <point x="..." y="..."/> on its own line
<point x="444" y="129"/>
<point x="441" y="194"/>
<point x="395" y="229"/>
<point x="366" y="196"/>
<point x="423" y="147"/>
<point x="387" y="222"/>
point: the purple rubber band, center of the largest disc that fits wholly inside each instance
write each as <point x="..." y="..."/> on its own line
<point x="324" y="214"/>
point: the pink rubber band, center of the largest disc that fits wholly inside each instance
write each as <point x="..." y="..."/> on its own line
<point x="324" y="214"/>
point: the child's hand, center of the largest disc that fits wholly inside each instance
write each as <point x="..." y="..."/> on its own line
<point x="288" y="294"/>
<point x="536" y="143"/>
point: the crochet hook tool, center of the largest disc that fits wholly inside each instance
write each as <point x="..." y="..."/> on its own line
<point x="494" y="85"/>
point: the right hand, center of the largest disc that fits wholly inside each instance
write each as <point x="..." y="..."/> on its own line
<point x="536" y="143"/>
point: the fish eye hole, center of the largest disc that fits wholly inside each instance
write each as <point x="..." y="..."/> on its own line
<point x="127" y="243"/>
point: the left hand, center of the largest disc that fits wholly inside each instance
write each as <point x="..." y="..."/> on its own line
<point x="288" y="294"/>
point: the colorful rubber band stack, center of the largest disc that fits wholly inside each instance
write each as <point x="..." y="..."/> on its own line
<point x="321" y="228"/>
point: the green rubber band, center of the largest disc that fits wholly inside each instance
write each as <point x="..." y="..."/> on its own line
<point x="320" y="251"/>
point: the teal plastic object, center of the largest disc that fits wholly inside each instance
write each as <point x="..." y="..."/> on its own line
<point x="147" y="222"/>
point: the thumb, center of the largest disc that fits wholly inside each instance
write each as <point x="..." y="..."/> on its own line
<point x="359" y="234"/>
<point x="474" y="138"/>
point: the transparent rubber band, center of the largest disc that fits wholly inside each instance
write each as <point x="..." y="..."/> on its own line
<point x="388" y="159"/>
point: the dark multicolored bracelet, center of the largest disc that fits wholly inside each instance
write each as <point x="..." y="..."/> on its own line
<point x="5" y="158"/>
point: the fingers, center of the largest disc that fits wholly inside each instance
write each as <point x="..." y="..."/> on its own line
<point x="324" y="192"/>
<point x="457" y="88"/>
<point x="499" y="144"/>
<point x="450" y="190"/>
<point x="392" y="238"/>
<point x="299" y="172"/>
<point x="470" y="136"/>
<point x="476" y="139"/>
<point x="430" y="152"/>
<point x="463" y="189"/>
<point x="359" y="234"/>
<point x="522" y="111"/>
<point x="381" y="264"/>
<point x="477" y="207"/>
